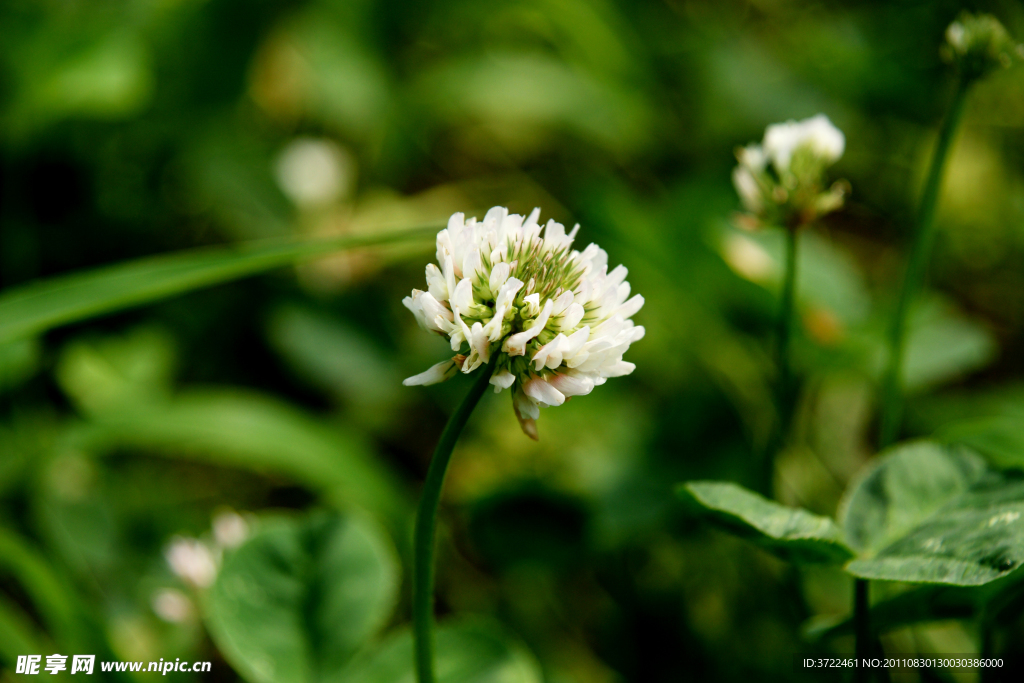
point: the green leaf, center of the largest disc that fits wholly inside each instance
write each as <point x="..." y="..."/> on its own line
<point x="52" y="599"/>
<point x="337" y="358"/>
<point x="19" y="360"/>
<point x="245" y="429"/>
<point x="118" y="373"/>
<point x="975" y="538"/>
<point x="902" y="488"/>
<point x="1000" y="439"/>
<point x="467" y="652"/>
<point x="17" y="634"/>
<point x="40" y="306"/>
<point x="793" y="534"/>
<point x="300" y="597"/>
<point x="942" y="344"/>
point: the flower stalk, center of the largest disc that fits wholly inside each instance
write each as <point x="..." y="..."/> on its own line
<point x="784" y="391"/>
<point x="917" y="267"/>
<point x="976" y="45"/>
<point x="781" y="181"/>
<point x="861" y="626"/>
<point x="426" y="525"/>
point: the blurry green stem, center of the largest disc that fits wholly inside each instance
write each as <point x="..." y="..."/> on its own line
<point x="784" y="388"/>
<point x="862" y="627"/>
<point x="426" y="523"/>
<point x="917" y="266"/>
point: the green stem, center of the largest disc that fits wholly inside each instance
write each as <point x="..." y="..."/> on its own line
<point x="784" y="394"/>
<point x="917" y="266"/>
<point x="426" y="523"/>
<point x="862" y="628"/>
<point x="987" y="648"/>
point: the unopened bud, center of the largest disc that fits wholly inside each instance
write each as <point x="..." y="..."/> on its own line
<point x="977" y="44"/>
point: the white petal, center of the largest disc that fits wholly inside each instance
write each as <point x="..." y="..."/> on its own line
<point x="550" y="354"/>
<point x="432" y="310"/>
<point x="480" y="345"/>
<point x="572" y="383"/>
<point x="618" y="369"/>
<point x="413" y="304"/>
<point x="630" y="308"/>
<point x="572" y="316"/>
<point x="542" y="392"/>
<point x="436" y="373"/>
<point x="450" y="279"/>
<point x="436" y="283"/>
<point x="575" y="341"/>
<point x="562" y="303"/>
<point x="472" y="265"/>
<point x="618" y="276"/>
<point x="499" y="274"/>
<point x="502" y="379"/>
<point x="462" y="297"/>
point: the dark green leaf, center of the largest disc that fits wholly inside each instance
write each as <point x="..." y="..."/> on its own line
<point x="976" y="538"/>
<point x="295" y="602"/>
<point x="791" y="533"/>
<point x="1000" y="439"/>
<point x="467" y="652"/>
<point x="18" y="361"/>
<point x="902" y="488"/>
<point x="56" y="604"/>
<point x="39" y="306"/>
<point x="943" y="344"/>
<point x="245" y="429"/>
<point x="17" y="634"/>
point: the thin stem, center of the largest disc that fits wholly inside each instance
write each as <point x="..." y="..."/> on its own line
<point x="862" y="627"/>
<point x="917" y="266"/>
<point x="987" y="647"/>
<point x="784" y="394"/>
<point x="426" y="523"/>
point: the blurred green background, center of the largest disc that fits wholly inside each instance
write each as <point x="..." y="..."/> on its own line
<point x="136" y="127"/>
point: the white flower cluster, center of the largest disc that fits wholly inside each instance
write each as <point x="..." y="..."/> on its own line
<point x="781" y="177"/>
<point x="558" y="318"/>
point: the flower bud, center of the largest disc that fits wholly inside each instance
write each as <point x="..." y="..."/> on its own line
<point x="977" y="44"/>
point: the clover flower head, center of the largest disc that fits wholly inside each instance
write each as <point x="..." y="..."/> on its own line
<point x="558" y="318"/>
<point x="978" y="44"/>
<point x="824" y="141"/>
<point x="781" y="179"/>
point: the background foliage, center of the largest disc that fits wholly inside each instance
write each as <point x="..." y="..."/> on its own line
<point x="137" y="127"/>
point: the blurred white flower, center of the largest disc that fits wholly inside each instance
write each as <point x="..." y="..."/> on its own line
<point x="229" y="529"/>
<point x="781" y="179"/>
<point x="314" y="172"/>
<point x="192" y="561"/>
<point x="171" y="605"/>
<point x="558" y="318"/>
<point x="816" y="134"/>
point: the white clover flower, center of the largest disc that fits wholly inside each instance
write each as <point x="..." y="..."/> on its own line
<point x="229" y="529"/>
<point x="780" y="180"/>
<point x="192" y="561"/>
<point x="173" y="606"/>
<point x="816" y="134"/>
<point x="558" y="318"/>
